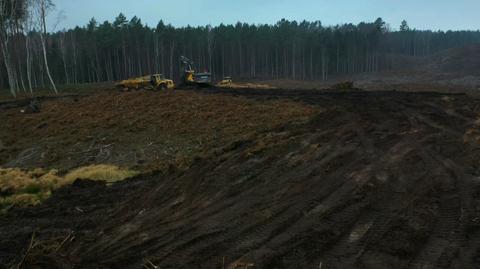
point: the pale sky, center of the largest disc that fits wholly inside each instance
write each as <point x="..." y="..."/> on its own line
<point x="420" y="14"/>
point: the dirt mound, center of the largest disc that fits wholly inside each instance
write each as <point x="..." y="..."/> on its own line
<point x="462" y="61"/>
<point x="373" y="180"/>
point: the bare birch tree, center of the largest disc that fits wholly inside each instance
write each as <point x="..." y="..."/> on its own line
<point x="28" y="27"/>
<point x="210" y="45"/>
<point x="42" y="8"/>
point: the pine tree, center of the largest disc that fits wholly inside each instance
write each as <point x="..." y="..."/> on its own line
<point x="404" y="26"/>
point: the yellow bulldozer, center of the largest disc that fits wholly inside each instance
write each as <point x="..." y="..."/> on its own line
<point x="226" y="81"/>
<point x="150" y="82"/>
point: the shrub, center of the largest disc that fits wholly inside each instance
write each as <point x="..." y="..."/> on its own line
<point x="346" y="85"/>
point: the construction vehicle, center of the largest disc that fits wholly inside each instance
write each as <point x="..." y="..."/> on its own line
<point x="150" y="82"/>
<point x="190" y="77"/>
<point x="226" y="81"/>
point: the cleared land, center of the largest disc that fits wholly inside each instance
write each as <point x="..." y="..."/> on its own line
<point x="279" y="178"/>
<point x="146" y="129"/>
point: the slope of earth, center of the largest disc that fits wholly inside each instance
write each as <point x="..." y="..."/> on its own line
<point x="150" y="130"/>
<point x="458" y="66"/>
<point x="463" y="60"/>
<point x="373" y="180"/>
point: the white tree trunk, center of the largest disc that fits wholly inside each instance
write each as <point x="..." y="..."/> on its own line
<point x="28" y="63"/>
<point x="46" y="63"/>
<point x="43" y="14"/>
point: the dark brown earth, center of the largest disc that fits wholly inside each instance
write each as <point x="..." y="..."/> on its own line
<point x="371" y="180"/>
<point x="141" y="129"/>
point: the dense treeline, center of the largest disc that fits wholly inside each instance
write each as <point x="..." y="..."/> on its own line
<point x="126" y="47"/>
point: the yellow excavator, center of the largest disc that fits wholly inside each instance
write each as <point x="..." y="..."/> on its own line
<point x="150" y="82"/>
<point x="190" y="77"/>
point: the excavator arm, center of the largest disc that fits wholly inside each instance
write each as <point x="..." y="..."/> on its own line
<point x="187" y="63"/>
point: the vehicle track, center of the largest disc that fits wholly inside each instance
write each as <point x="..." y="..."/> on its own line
<point x="374" y="180"/>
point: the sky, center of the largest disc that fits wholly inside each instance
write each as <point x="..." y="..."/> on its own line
<point x="420" y="14"/>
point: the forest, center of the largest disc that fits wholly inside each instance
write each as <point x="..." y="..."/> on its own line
<point x="35" y="57"/>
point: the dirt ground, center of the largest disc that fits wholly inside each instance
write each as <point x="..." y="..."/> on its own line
<point x="148" y="130"/>
<point x="288" y="179"/>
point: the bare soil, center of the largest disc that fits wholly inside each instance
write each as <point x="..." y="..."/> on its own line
<point x="149" y="130"/>
<point x="357" y="180"/>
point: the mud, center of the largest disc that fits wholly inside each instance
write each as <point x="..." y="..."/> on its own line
<point x="372" y="180"/>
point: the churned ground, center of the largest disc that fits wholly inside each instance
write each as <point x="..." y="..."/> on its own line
<point x="280" y="179"/>
<point x="146" y="129"/>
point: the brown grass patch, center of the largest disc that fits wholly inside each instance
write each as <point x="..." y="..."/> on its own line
<point x="20" y="188"/>
<point x="239" y="85"/>
<point x="150" y="129"/>
<point x="102" y="172"/>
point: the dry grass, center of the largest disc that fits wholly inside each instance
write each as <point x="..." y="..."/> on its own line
<point x="240" y="85"/>
<point x="25" y="188"/>
<point x="20" y="188"/>
<point x="102" y="172"/>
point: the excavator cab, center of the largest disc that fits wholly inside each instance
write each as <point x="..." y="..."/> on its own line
<point x="203" y="79"/>
<point x="156" y="79"/>
<point x="159" y="81"/>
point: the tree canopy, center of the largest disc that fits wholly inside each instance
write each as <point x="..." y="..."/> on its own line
<point x="288" y="49"/>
